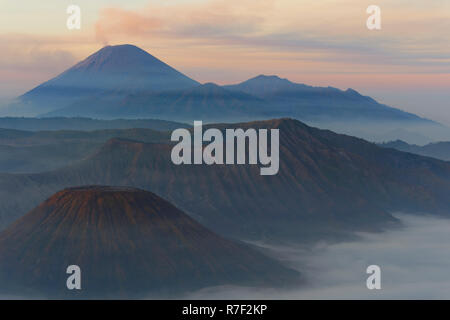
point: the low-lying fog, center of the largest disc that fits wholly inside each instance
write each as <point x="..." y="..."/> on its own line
<point x="414" y="262"/>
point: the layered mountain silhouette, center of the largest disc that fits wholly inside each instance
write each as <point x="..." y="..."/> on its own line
<point x="113" y="71"/>
<point x="438" y="150"/>
<point x="328" y="185"/>
<point x="26" y="151"/>
<point x="125" y="81"/>
<point x="208" y="102"/>
<point x="127" y="243"/>
<point x="318" y="103"/>
<point x="342" y="111"/>
<point x="84" y="124"/>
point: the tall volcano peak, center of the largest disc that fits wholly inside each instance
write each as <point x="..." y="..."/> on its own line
<point x="111" y="71"/>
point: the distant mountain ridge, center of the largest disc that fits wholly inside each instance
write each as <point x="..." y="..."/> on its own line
<point x="85" y="124"/>
<point x="126" y="82"/>
<point x="262" y="97"/>
<point x="208" y="102"/>
<point x="264" y="85"/>
<point x="319" y="103"/>
<point x="438" y="150"/>
<point x="106" y="84"/>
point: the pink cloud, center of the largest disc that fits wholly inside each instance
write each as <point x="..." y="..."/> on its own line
<point x="115" y="21"/>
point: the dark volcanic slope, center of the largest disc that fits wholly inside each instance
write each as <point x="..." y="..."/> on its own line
<point x="26" y="151"/>
<point x="327" y="184"/>
<point x="128" y="243"/>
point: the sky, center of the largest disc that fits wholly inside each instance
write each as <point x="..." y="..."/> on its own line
<point x="414" y="263"/>
<point x="406" y="64"/>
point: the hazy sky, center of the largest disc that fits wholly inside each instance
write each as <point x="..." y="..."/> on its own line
<point x="405" y="64"/>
